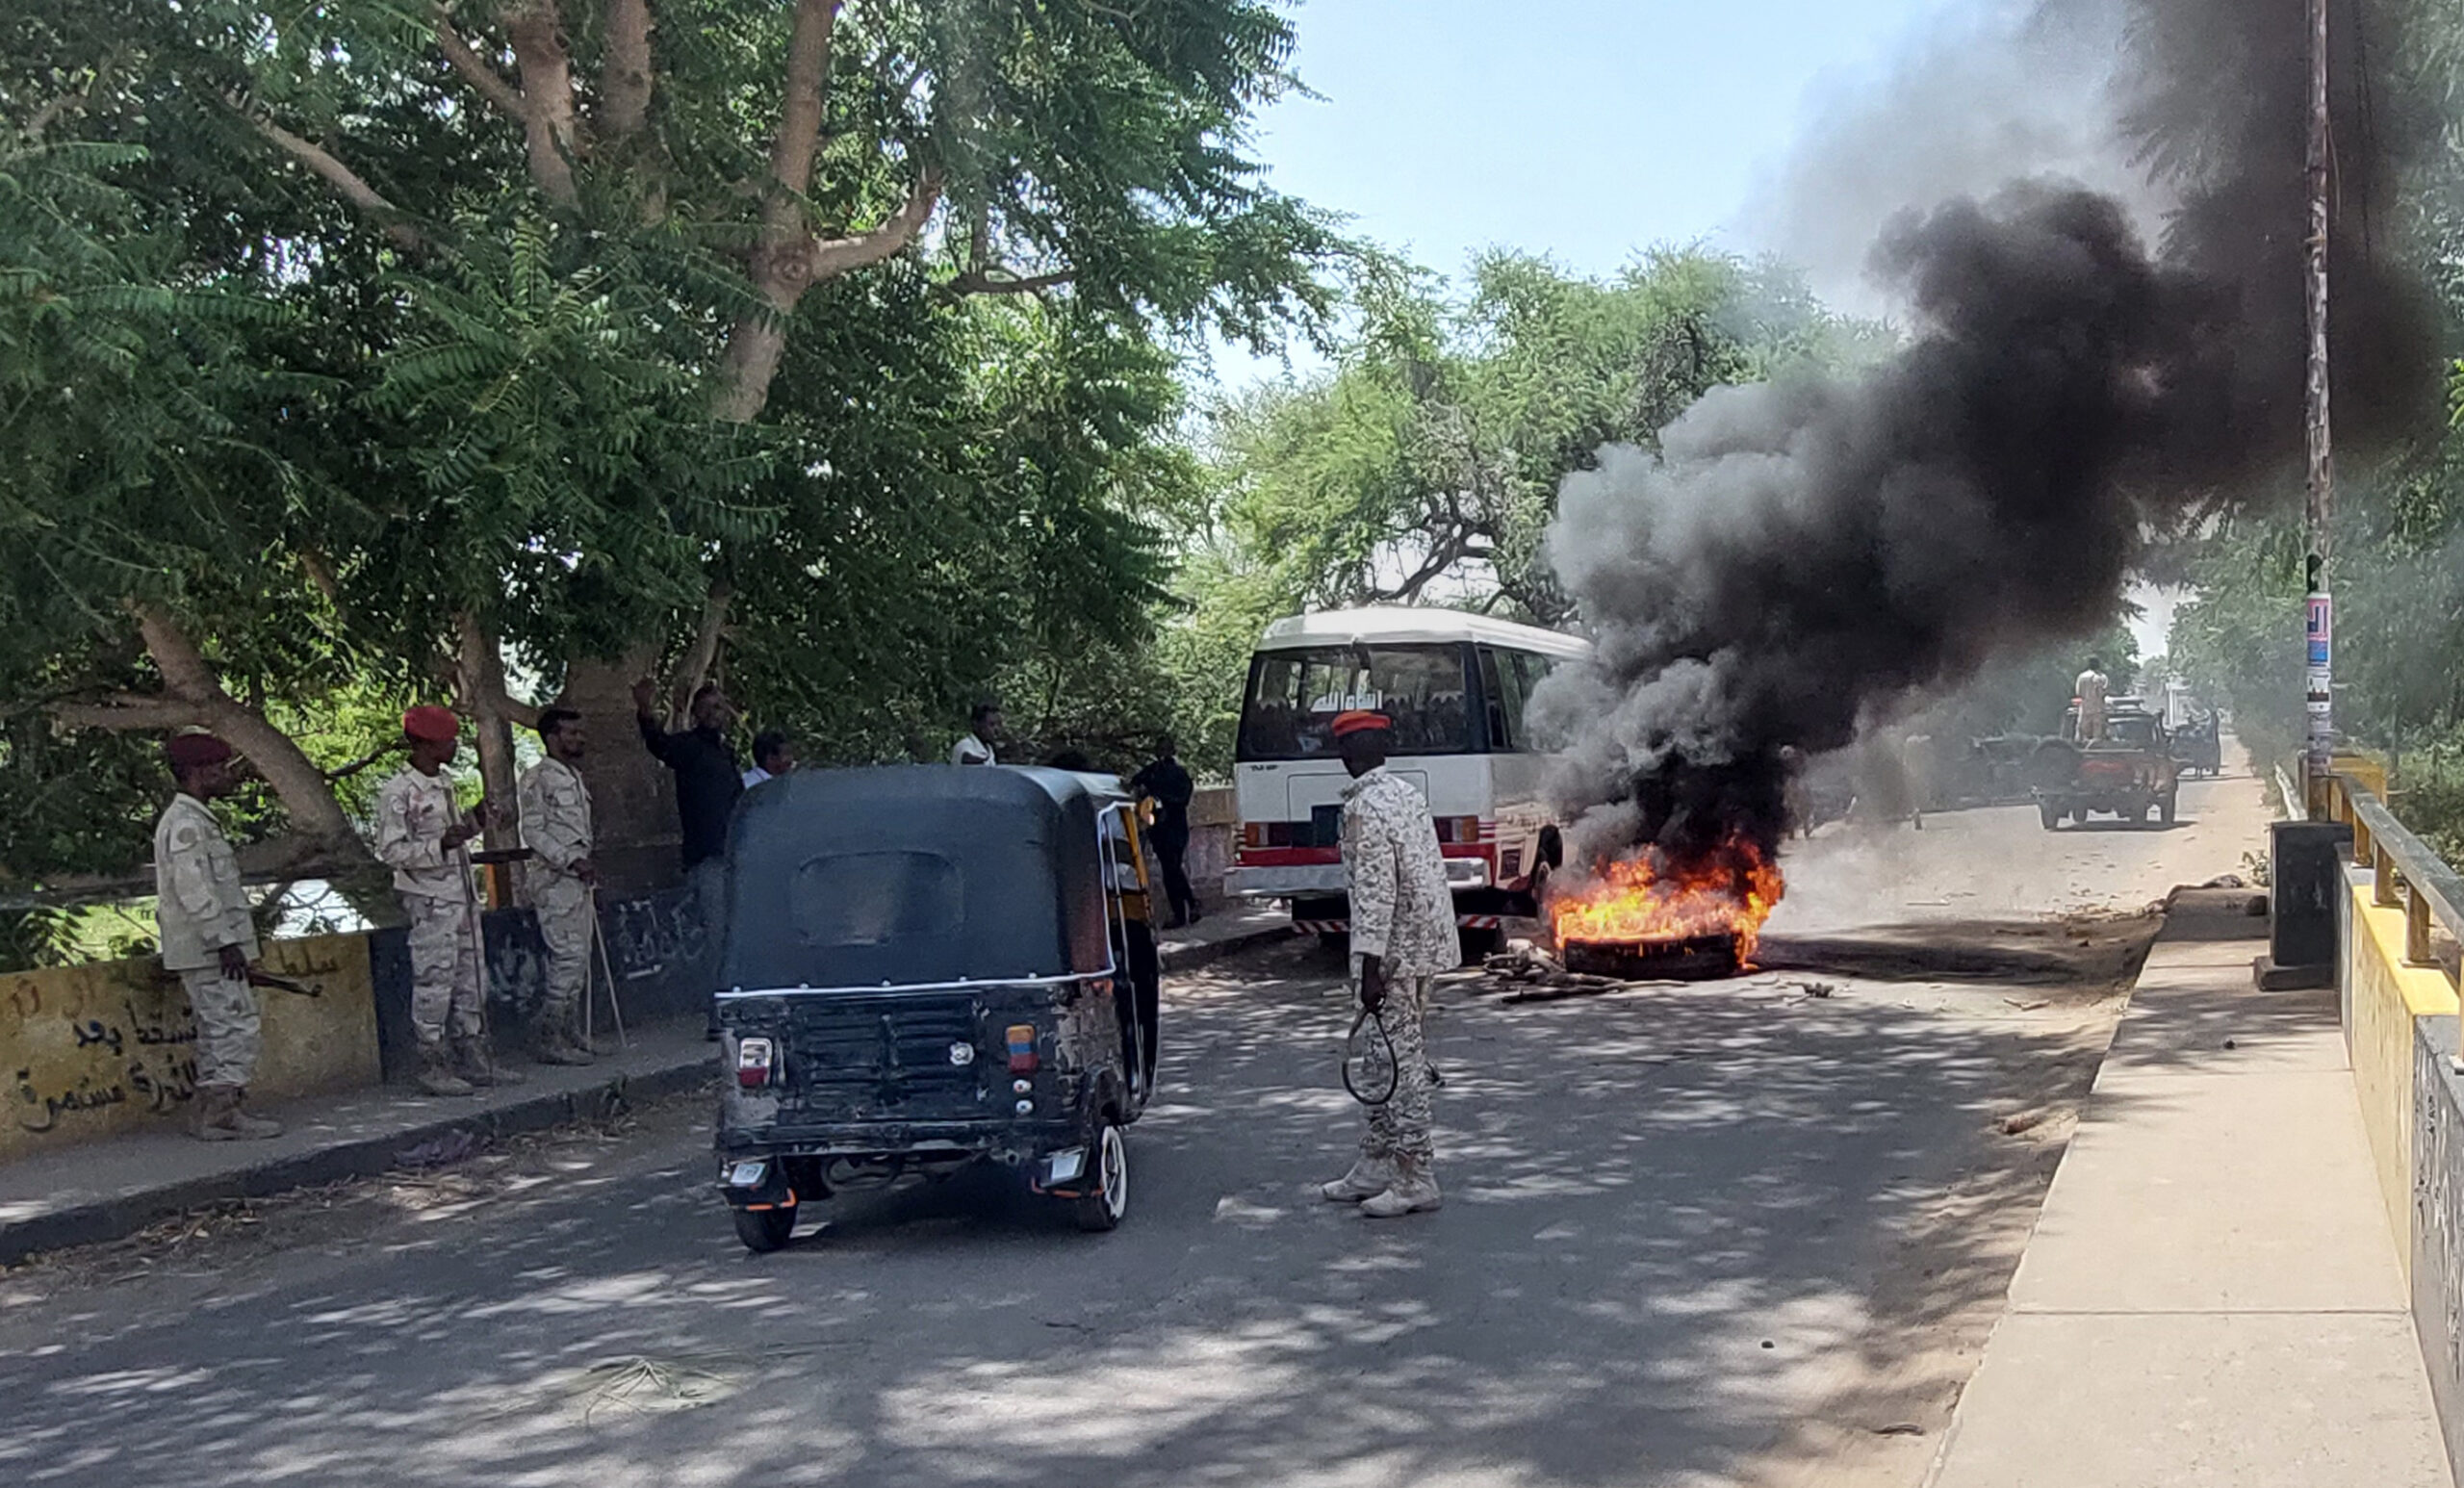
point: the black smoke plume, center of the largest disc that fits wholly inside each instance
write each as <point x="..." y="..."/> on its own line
<point x="1800" y="558"/>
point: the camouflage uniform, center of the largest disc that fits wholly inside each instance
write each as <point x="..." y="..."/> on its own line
<point x="1403" y="913"/>
<point x="202" y="909"/>
<point x="557" y="828"/>
<point x="413" y="814"/>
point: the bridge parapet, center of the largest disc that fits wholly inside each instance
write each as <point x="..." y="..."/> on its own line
<point x="2396" y="980"/>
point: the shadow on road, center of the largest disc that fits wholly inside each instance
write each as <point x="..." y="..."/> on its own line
<point x="1685" y="1228"/>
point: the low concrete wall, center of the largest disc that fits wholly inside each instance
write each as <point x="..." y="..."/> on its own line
<point x="2383" y="998"/>
<point x="2400" y="1030"/>
<point x="93" y="1050"/>
<point x="108" y="1047"/>
<point x="660" y="952"/>
<point x="1214" y="820"/>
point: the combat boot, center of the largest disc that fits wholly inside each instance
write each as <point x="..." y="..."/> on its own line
<point x="436" y="1072"/>
<point x="249" y="1125"/>
<point x="477" y="1065"/>
<point x="570" y="1034"/>
<point x="209" y="1119"/>
<point x="1368" y="1177"/>
<point x="554" y="1043"/>
<point x="1414" y="1192"/>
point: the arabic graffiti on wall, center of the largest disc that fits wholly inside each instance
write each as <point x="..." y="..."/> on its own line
<point x="110" y="1047"/>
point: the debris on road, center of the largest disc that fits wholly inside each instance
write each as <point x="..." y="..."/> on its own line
<point x="2020" y="1123"/>
<point x="2030" y="1006"/>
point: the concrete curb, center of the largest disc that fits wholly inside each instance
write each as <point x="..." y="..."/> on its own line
<point x="1190" y="958"/>
<point x="123" y="1214"/>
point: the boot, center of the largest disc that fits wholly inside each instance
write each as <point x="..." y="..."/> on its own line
<point x="553" y="1042"/>
<point x="436" y="1072"/>
<point x="570" y="1034"/>
<point x="472" y="1062"/>
<point x="209" y="1119"/>
<point x="1368" y="1177"/>
<point x="247" y="1124"/>
<point x="1414" y="1192"/>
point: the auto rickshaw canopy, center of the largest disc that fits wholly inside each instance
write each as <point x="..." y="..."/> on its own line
<point x="918" y="875"/>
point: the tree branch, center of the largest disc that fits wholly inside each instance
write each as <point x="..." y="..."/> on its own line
<point x="125" y="711"/>
<point x="708" y="636"/>
<point x="537" y="33"/>
<point x="481" y="73"/>
<point x="625" y="76"/>
<point x="791" y="154"/>
<point x="835" y="256"/>
<point x="184" y="668"/>
<point x="984" y="281"/>
<point x="342" y="178"/>
<point x="375" y="756"/>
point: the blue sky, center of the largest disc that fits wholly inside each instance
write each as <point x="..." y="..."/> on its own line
<point x="1584" y="130"/>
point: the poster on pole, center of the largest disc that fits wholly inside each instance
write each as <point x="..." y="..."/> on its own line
<point x="2319" y="627"/>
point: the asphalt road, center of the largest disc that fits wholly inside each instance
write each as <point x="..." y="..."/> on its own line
<point x="1751" y="1231"/>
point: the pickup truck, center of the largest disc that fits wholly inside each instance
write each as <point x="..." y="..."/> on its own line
<point x="2128" y="771"/>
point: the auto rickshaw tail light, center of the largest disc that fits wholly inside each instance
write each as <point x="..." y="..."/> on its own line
<point x="1021" y="1040"/>
<point x="755" y="1059"/>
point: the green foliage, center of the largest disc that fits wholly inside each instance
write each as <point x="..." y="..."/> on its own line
<point x="1425" y="465"/>
<point x="308" y="349"/>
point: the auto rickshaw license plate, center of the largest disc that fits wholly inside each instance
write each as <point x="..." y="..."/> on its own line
<point x="745" y="1175"/>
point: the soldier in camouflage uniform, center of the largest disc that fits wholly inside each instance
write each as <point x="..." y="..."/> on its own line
<point x="208" y="939"/>
<point x="1403" y="937"/>
<point x="425" y="839"/>
<point x="555" y="826"/>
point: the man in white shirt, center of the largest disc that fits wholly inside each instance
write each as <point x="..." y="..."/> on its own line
<point x="773" y="756"/>
<point x="208" y="939"/>
<point x="2092" y="690"/>
<point x="984" y="731"/>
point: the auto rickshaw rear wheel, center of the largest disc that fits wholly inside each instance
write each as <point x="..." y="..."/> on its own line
<point x="764" y="1230"/>
<point x="1106" y="1199"/>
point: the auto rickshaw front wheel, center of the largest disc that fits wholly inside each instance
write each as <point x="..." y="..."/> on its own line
<point x="1106" y="1199"/>
<point x="764" y="1230"/>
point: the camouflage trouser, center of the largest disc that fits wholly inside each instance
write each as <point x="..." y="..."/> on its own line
<point x="563" y="906"/>
<point x="226" y="1026"/>
<point x="445" y="969"/>
<point x="1399" y="1130"/>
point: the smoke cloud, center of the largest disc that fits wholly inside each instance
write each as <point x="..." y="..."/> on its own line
<point x="1799" y="558"/>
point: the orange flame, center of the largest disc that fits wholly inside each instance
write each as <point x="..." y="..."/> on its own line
<point x="1731" y="891"/>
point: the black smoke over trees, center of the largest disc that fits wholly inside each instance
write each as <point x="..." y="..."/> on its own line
<point x="1805" y="557"/>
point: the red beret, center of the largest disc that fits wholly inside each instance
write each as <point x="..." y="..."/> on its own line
<point x="1358" y="720"/>
<point x="432" y="724"/>
<point x="193" y="751"/>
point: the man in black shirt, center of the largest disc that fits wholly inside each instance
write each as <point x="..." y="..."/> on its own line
<point x="707" y="778"/>
<point x="1169" y="785"/>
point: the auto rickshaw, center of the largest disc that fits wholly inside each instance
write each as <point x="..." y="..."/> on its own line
<point x="928" y="967"/>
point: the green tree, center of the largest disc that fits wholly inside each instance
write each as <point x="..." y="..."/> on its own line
<point x="583" y="316"/>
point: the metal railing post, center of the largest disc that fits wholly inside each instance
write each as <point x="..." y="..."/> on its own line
<point x="2416" y="946"/>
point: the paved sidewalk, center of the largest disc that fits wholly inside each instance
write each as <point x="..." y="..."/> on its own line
<point x="100" y="1190"/>
<point x="2211" y="1295"/>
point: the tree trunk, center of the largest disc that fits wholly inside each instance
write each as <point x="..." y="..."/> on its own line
<point x="478" y="669"/>
<point x="631" y="797"/>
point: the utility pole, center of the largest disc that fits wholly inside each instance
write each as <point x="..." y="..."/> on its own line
<point x="2319" y="605"/>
